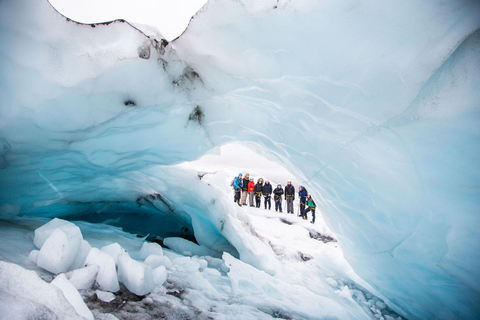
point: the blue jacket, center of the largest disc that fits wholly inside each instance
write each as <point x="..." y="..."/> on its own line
<point x="238" y="183"/>
<point x="303" y="195"/>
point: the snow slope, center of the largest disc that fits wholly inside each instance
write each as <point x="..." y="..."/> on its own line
<point x="372" y="106"/>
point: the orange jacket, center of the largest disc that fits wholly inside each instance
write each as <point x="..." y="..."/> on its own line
<point x="251" y="185"/>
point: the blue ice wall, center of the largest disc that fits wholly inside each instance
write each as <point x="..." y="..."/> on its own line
<point x="375" y="106"/>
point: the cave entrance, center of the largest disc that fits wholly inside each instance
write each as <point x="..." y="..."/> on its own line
<point x="245" y="157"/>
<point x="148" y="217"/>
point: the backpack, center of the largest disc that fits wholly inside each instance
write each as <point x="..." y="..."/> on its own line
<point x="231" y="183"/>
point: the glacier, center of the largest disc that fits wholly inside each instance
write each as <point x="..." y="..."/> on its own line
<point x="373" y="106"/>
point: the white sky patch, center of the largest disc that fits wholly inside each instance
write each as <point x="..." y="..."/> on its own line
<point x="237" y="156"/>
<point x="170" y="17"/>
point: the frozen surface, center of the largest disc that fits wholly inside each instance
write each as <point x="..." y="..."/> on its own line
<point x="81" y="255"/>
<point x="154" y="261"/>
<point x="104" y="295"/>
<point x="45" y="231"/>
<point x="150" y="248"/>
<point x="58" y="252"/>
<point x="107" y="275"/>
<point x="114" y="250"/>
<point x="72" y="295"/>
<point x="189" y="248"/>
<point x="26" y="296"/>
<point x="159" y="275"/>
<point x="83" y="278"/>
<point x="208" y="287"/>
<point x="136" y="276"/>
<point x="373" y="106"/>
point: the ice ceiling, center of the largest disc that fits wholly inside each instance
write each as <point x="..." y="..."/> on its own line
<point x="375" y="106"/>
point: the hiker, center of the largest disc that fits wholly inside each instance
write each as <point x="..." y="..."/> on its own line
<point x="278" y="192"/>
<point x="258" y="192"/>
<point x="267" y="193"/>
<point x="251" y="186"/>
<point x="310" y="207"/>
<point x="289" y="196"/>
<point x="237" y="185"/>
<point x="246" y="181"/>
<point x="302" y="194"/>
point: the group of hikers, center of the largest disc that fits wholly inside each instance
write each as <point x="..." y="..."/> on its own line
<point x="246" y="187"/>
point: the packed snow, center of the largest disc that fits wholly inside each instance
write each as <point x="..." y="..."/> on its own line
<point x="113" y="140"/>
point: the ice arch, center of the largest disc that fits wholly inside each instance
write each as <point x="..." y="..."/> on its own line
<point x="96" y="114"/>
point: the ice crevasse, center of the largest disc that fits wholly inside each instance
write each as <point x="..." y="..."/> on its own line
<point x="375" y="106"/>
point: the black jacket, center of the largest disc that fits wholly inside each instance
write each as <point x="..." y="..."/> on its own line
<point x="267" y="189"/>
<point x="290" y="190"/>
<point x="258" y="188"/>
<point x="245" y="184"/>
<point x="278" y="192"/>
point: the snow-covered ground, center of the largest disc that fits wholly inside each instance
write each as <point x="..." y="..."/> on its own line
<point x="313" y="279"/>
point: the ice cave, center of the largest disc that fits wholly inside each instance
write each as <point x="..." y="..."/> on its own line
<point x="117" y="148"/>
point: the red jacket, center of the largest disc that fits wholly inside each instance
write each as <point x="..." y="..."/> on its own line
<point x="251" y="185"/>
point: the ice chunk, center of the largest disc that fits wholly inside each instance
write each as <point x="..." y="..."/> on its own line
<point x="83" y="278"/>
<point x="26" y="296"/>
<point x="59" y="251"/>
<point x="159" y="275"/>
<point x="136" y="276"/>
<point x="359" y="295"/>
<point x="346" y="293"/>
<point x="72" y="295"/>
<point x="33" y="256"/>
<point x="218" y="264"/>
<point x="105" y="296"/>
<point x="155" y="261"/>
<point x="180" y="261"/>
<point x="190" y="266"/>
<point x="114" y="250"/>
<point x="189" y="248"/>
<point x="107" y="275"/>
<point x="212" y="272"/>
<point x="44" y="232"/>
<point x="81" y="255"/>
<point x="202" y="262"/>
<point x="149" y="248"/>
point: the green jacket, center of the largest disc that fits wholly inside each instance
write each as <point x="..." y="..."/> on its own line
<point x="311" y="204"/>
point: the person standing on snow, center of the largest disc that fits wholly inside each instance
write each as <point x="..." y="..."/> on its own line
<point x="289" y="196"/>
<point x="267" y="193"/>
<point x="302" y="194"/>
<point x="251" y="186"/>
<point x="278" y="192"/>
<point x="246" y="181"/>
<point x="237" y="185"/>
<point x="311" y="207"/>
<point x="258" y="192"/>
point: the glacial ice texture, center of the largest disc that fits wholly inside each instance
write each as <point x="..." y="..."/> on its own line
<point x="374" y="106"/>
